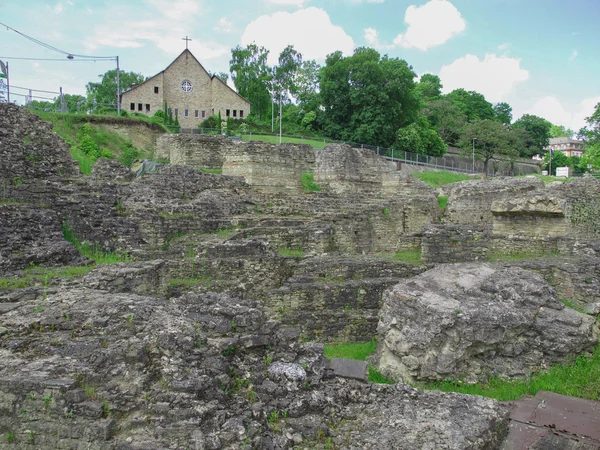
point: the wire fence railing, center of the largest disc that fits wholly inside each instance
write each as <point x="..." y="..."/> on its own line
<point x="452" y="163"/>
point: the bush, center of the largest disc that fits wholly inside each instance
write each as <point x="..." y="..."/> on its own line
<point x="159" y="114"/>
<point x="129" y="154"/>
<point x="210" y="122"/>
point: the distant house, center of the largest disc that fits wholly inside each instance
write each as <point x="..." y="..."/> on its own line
<point x="189" y="91"/>
<point x="570" y="147"/>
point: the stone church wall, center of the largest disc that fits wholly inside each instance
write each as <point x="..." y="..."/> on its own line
<point x="223" y="99"/>
<point x="143" y="95"/>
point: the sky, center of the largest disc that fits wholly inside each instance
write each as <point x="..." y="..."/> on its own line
<point x="540" y="56"/>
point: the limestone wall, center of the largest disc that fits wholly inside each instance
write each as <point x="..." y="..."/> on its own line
<point x="454" y="243"/>
<point x="135" y="100"/>
<point x="195" y="150"/>
<point x="471" y="201"/>
<point x="270" y="168"/>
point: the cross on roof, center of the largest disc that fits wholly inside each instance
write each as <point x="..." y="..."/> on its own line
<point x="186" y="39"/>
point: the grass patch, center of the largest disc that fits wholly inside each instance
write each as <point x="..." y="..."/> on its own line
<point x="216" y="171"/>
<point x="571" y="305"/>
<point x="295" y="252"/>
<point x="358" y="351"/>
<point x="272" y="139"/>
<point x="92" y="251"/>
<point x="517" y="256"/>
<point x="548" y="178"/>
<point x="440" y="178"/>
<point x="579" y="379"/>
<point x="190" y="282"/>
<point x="308" y="184"/>
<point x="40" y="276"/>
<point x="409" y="256"/>
<point x="89" y="139"/>
<point x="442" y="201"/>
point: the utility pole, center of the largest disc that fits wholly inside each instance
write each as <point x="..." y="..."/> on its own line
<point x="473" y="170"/>
<point x="280" y="120"/>
<point x="119" y="87"/>
<point x="7" y="84"/>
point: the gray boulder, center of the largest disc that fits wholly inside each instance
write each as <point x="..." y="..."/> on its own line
<point x="472" y="321"/>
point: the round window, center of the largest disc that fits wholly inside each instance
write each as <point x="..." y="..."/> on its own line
<point x="186" y="86"/>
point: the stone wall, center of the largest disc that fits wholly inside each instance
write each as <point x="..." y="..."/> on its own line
<point x="195" y="150"/>
<point x="31" y="236"/>
<point x="454" y="243"/>
<point x="334" y="299"/>
<point x="471" y="201"/>
<point x="271" y="168"/>
<point x="29" y="150"/>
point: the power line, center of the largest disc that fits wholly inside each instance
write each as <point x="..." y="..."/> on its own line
<point x="31" y="89"/>
<point x="50" y="47"/>
<point x="49" y="59"/>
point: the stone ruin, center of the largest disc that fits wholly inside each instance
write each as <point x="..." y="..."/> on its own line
<point x="212" y="336"/>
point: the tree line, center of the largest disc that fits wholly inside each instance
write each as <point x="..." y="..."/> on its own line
<point x="372" y="99"/>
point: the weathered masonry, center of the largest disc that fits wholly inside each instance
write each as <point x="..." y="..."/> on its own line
<point x="189" y="91"/>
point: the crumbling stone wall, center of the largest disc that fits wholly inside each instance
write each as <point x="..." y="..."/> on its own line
<point x="471" y="201"/>
<point x="29" y="150"/>
<point x="454" y="243"/>
<point x="32" y="236"/>
<point x="195" y="150"/>
<point x="333" y="299"/>
<point x="271" y="168"/>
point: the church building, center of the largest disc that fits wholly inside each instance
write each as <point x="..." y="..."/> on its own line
<point x="189" y="91"/>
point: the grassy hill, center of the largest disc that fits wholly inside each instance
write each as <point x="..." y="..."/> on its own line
<point x="90" y="139"/>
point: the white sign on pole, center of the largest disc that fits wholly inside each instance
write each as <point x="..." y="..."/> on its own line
<point x="563" y="172"/>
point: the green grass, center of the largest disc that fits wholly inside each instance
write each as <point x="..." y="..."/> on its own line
<point x="93" y="251"/>
<point x="315" y="143"/>
<point x="308" y="184"/>
<point x="39" y="276"/>
<point x="440" y="178"/>
<point x="191" y="281"/>
<point x="358" y="351"/>
<point x="68" y="127"/>
<point x="442" y="201"/>
<point x="579" y="379"/>
<point x="571" y="305"/>
<point x="216" y="171"/>
<point x="295" y="252"/>
<point x="518" y="256"/>
<point x="409" y="256"/>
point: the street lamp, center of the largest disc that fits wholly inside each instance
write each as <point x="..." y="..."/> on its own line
<point x="474" y="139"/>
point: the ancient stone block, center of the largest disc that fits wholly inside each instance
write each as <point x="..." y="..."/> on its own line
<point x="475" y="321"/>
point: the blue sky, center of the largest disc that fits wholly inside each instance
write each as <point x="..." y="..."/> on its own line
<point x="540" y="56"/>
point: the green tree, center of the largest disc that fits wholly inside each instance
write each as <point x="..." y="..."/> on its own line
<point x="429" y="86"/>
<point x="472" y="104"/>
<point x="307" y="85"/>
<point x="105" y="93"/>
<point x="591" y="134"/>
<point x="446" y="118"/>
<point x="503" y="113"/>
<point x="223" y="76"/>
<point x="557" y="131"/>
<point x="252" y="76"/>
<point x="366" y="97"/>
<point x="420" y="137"/>
<point x="492" y="138"/>
<point x="559" y="159"/>
<point x="539" y="133"/>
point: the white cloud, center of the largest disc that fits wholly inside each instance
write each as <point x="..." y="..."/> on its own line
<point x="224" y="25"/>
<point x="309" y="30"/>
<point x="574" y="55"/>
<point x="297" y="3"/>
<point x="372" y="38"/>
<point x="504" y="46"/>
<point x="128" y="28"/>
<point x="430" y="25"/>
<point x="552" y="109"/>
<point x="58" y="8"/>
<point x="494" y="76"/>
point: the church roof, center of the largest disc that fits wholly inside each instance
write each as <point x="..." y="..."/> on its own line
<point x="173" y="62"/>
